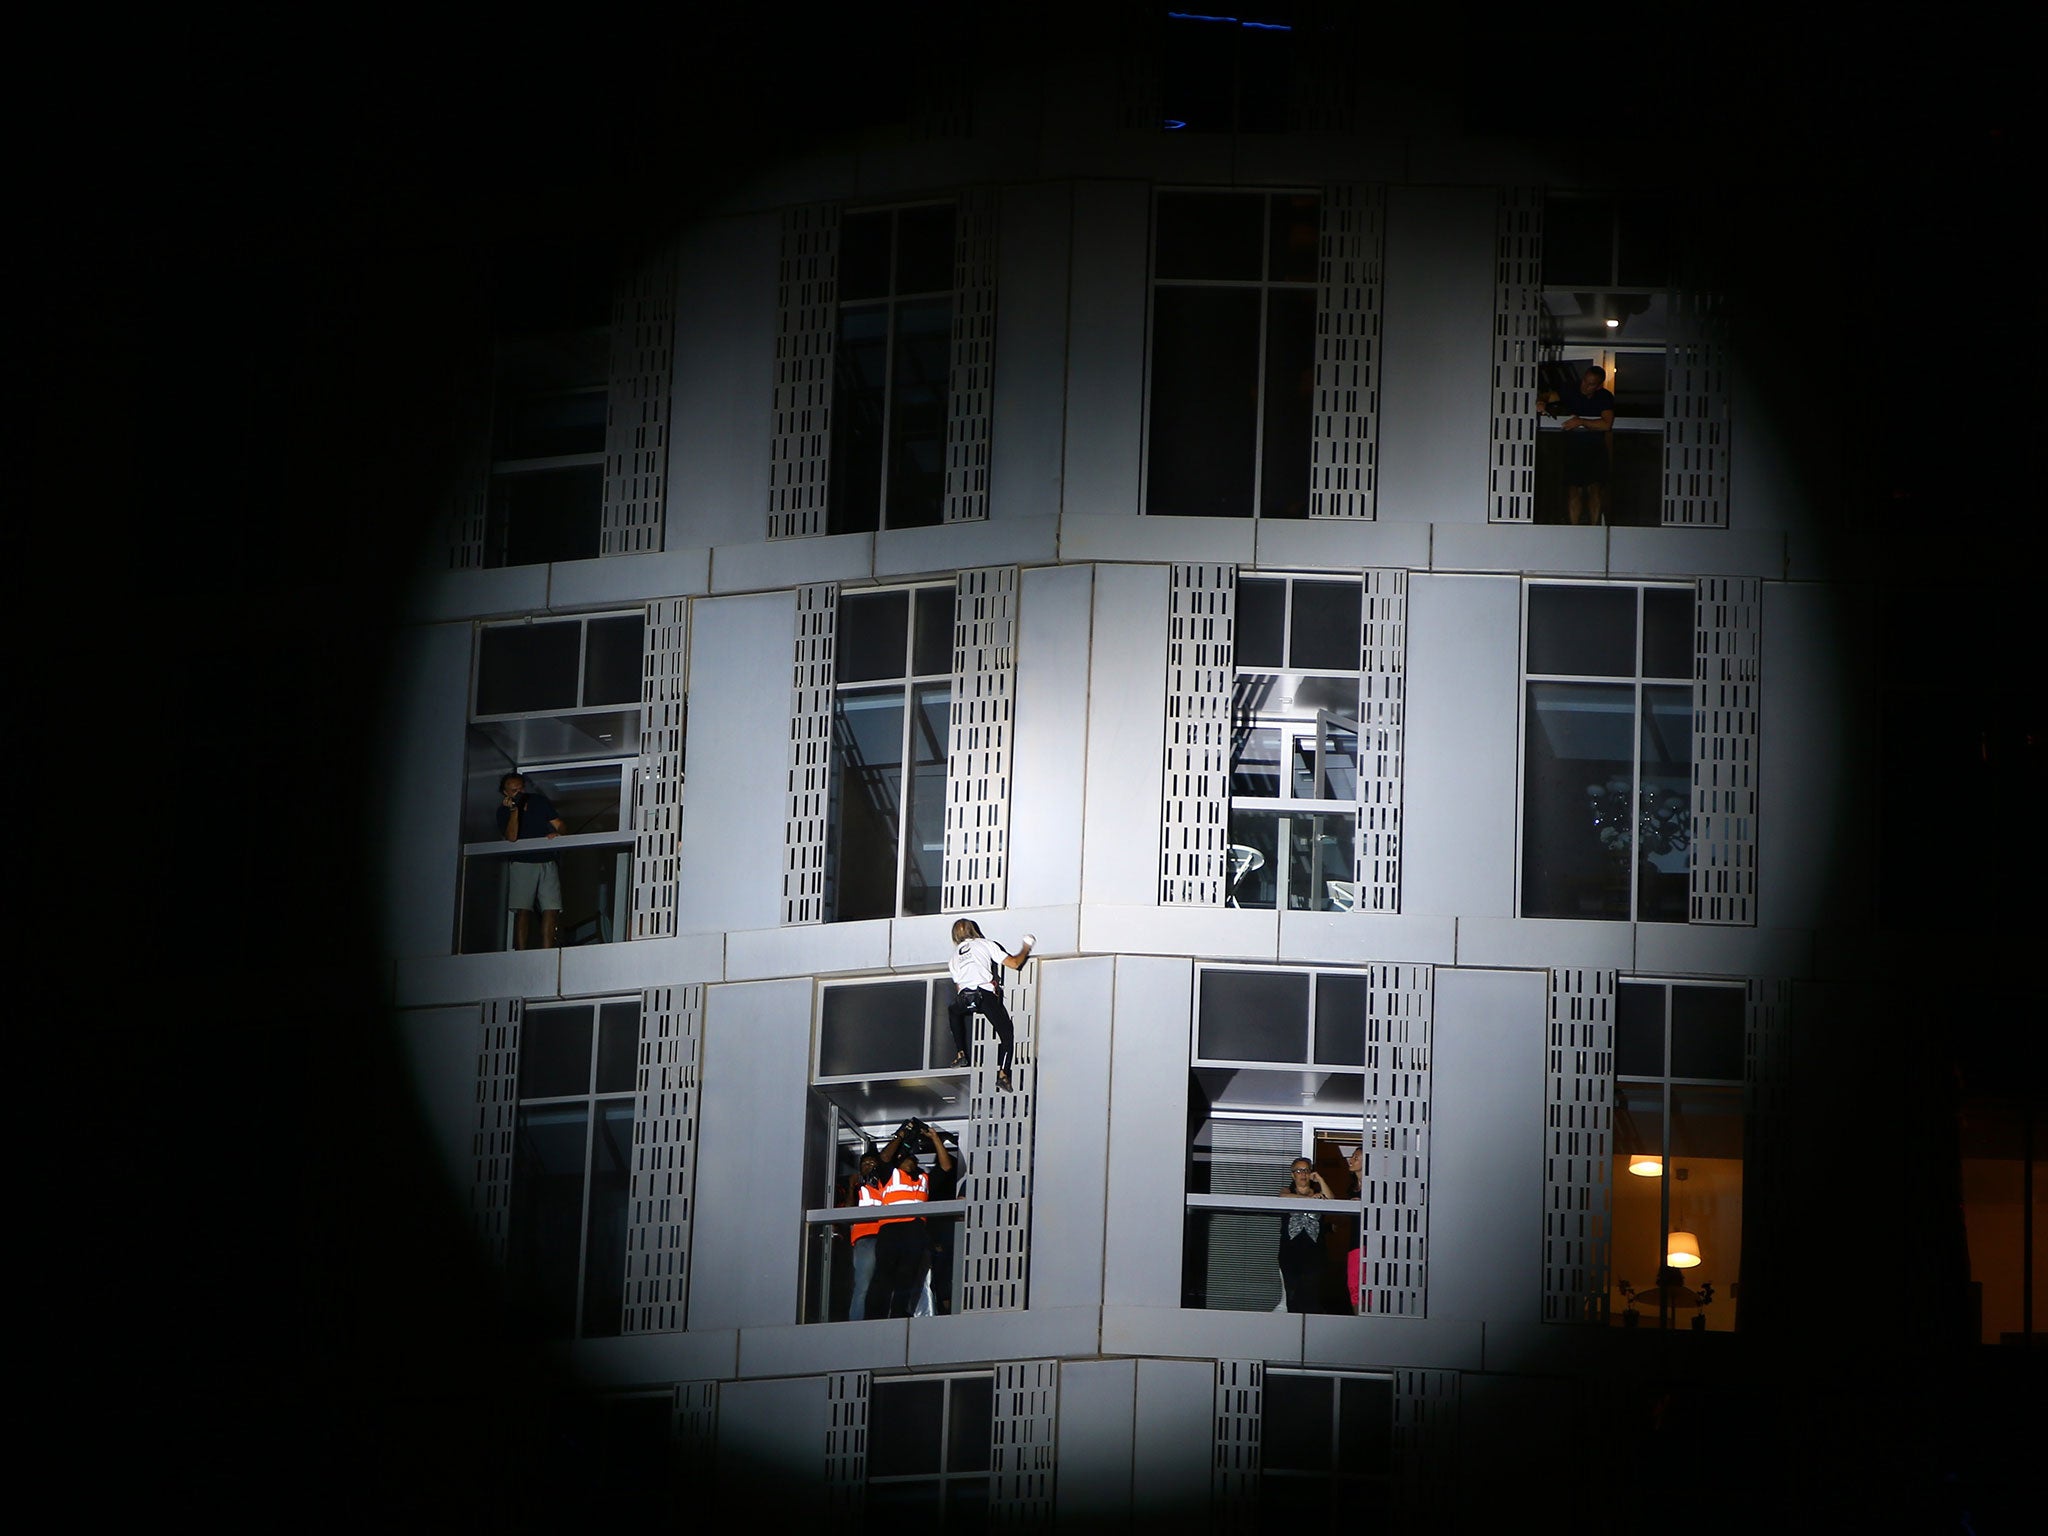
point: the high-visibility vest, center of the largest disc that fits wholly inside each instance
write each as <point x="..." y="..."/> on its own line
<point x="863" y="1229"/>
<point x="900" y="1189"/>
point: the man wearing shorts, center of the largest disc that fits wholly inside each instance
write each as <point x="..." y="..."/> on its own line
<point x="526" y="815"/>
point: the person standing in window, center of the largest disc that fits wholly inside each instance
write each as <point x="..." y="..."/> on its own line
<point x="903" y="1250"/>
<point x="867" y="1190"/>
<point x="534" y="879"/>
<point x="1301" y="1240"/>
<point x="1588" y="445"/>
<point x="976" y="966"/>
<point x="937" y="1295"/>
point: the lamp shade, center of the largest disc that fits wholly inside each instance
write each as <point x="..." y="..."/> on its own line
<point x="1682" y="1250"/>
<point x="1646" y="1165"/>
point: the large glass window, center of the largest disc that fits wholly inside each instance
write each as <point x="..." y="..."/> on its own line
<point x="1227" y="74"/>
<point x="1232" y="393"/>
<point x="557" y="702"/>
<point x="929" y="1448"/>
<point x="891" y="368"/>
<point x="882" y="1057"/>
<point x="1326" y="1447"/>
<point x="1678" y="1154"/>
<point x="891" y="713"/>
<point x="1607" y="752"/>
<point x="572" y="1165"/>
<point x="1294" y="745"/>
<point x="547" y="448"/>
<point x="1275" y="1079"/>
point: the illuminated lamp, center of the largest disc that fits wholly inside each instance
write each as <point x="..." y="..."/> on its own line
<point x="1682" y="1250"/>
<point x="1646" y="1165"/>
<point x="1613" y="325"/>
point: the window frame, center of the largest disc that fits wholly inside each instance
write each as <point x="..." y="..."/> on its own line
<point x="946" y="1479"/>
<point x="1343" y="1488"/>
<point x="497" y="534"/>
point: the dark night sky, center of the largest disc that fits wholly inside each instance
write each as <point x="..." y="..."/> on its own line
<point x="253" y="261"/>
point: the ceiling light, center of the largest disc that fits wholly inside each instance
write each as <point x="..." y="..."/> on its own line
<point x="1682" y="1250"/>
<point x="1614" y="325"/>
<point x="1646" y="1165"/>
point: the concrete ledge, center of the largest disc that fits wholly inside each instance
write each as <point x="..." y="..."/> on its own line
<point x="1341" y="544"/>
<point x="1689" y="949"/>
<point x="919" y="943"/>
<point x="1690" y="552"/>
<point x="964" y="546"/>
<point x="1350" y="937"/>
<point x="808" y="949"/>
<point x="1025" y="1335"/>
<point x="1157" y="540"/>
<point x="643" y="963"/>
<point x="805" y="1349"/>
<point x="1434" y="1344"/>
<point x="1522" y="943"/>
<point x="1202" y="1335"/>
<point x="430" y="980"/>
<point x="777" y="563"/>
<point x="628" y="579"/>
<point x="1214" y="933"/>
<point x="1518" y="548"/>
<point x="651" y="1359"/>
<point x="443" y="595"/>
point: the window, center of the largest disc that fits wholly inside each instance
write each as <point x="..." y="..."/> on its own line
<point x="882" y="1055"/>
<point x="891" y="711"/>
<point x="1276" y="1075"/>
<point x="1232" y="393"/>
<point x="1677" y="1179"/>
<point x="1226" y="74"/>
<point x="1294" y="745"/>
<point x="547" y="448"/>
<point x="572" y="1165"/>
<point x="1326" y="1446"/>
<point x="558" y="702"/>
<point x="891" y="368"/>
<point x="1607" y="752"/>
<point x="929" y="1440"/>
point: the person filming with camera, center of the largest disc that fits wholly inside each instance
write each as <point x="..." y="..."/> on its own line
<point x="902" y="1246"/>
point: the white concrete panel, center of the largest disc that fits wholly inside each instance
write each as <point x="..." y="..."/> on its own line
<point x="1340" y="544"/>
<point x="1350" y="937"/>
<point x="807" y="949"/>
<point x="1034" y="1335"/>
<point x="1214" y="933"/>
<point x="477" y="594"/>
<point x="1049" y="738"/>
<point x="655" y="1359"/>
<point x="439" y="1047"/>
<point x="926" y="943"/>
<point x="415" y="779"/>
<point x="1545" y="942"/>
<point x="1686" y="949"/>
<point x="1174" y="1439"/>
<point x="1816" y="744"/>
<point x="1518" y="547"/>
<point x="744" y="1246"/>
<point x="848" y="557"/>
<point x="423" y="981"/>
<point x="964" y="546"/>
<point x="878" y="1345"/>
<point x="646" y="963"/>
<point x="1126" y="736"/>
<point x="578" y="584"/>
<point x="1070" y="1137"/>
<point x="1086" y="536"/>
<point x="1766" y="489"/>
<point x="771" y="1436"/>
<point x="1097" y="1441"/>
<point x="1380" y="1343"/>
<point x="1690" y="552"/>
<point x="1148" y="1132"/>
<point x="1437" y="330"/>
<point x="721" y="419"/>
<point x="1106" y="348"/>
<point x="1029" y="391"/>
<point x="735" y="761"/>
<point x="1462" y="749"/>
<point x="1167" y="1330"/>
<point x="1486" y="1144"/>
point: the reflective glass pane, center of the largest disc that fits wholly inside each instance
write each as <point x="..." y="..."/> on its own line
<point x="1253" y="1016"/>
<point x="1322" y="849"/>
<point x="1668" y="632"/>
<point x="924" y="857"/>
<point x="1209" y="234"/>
<point x="1259" y="636"/>
<point x="970" y="1421"/>
<point x="1582" y="631"/>
<point x="1337" y="746"/>
<point x="924" y="249"/>
<point x="1197" y="88"/>
<point x="526" y="667"/>
<point x="863" y="257"/>
<point x="546" y="425"/>
<point x="939" y="1030"/>
<point x="1638" y="381"/>
<point x="1298" y="1422"/>
<point x="618" y="1047"/>
<point x="906" y="1427"/>
<point x="872" y="1031"/>
<point x="1255" y="762"/>
<point x="543" y="1239"/>
<point x="1294" y="246"/>
<point x="1365" y="1426"/>
<point x="538" y="516"/>
<point x="611" y="659"/>
<point x="1577" y="800"/>
<point x="866" y="803"/>
<point x="1638" y="1124"/>
<point x="587" y="798"/>
<point x="1707" y="1027"/>
<point x="872" y="629"/>
<point x="860" y="382"/>
<point x="1342" y="1002"/>
<point x="917" y="412"/>
<point x="1204" y="410"/>
<point x="554" y="1051"/>
<point x="1639" y="1030"/>
<point x="1255" y="869"/>
<point x="933" y="643"/>
<point x="611" y="1180"/>
<point x="1664" y="809"/>
<point x="1290" y="386"/>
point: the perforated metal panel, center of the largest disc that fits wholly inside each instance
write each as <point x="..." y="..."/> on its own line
<point x="1343" y="464"/>
<point x="1235" y="1463"/>
<point x="1517" y="349"/>
<point x="658" y="784"/>
<point x="1393" y="1275"/>
<point x="664" y="1174"/>
<point x="1195" y="820"/>
<point x="497" y="1121"/>
<point x="971" y="382"/>
<point x="1382" y="718"/>
<point x="806" y="327"/>
<point x="693" y="1426"/>
<point x="810" y="755"/>
<point x="1023" y="1439"/>
<point x="1578" y="1144"/>
<point x="1696" y="365"/>
<point x="1425" y="1448"/>
<point x="846" y="1443"/>
<point x="996" y="1230"/>
<point x="469" y="501"/>
<point x="637" y="407"/>
<point x="1726" y="708"/>
<point x="977" y="852"/>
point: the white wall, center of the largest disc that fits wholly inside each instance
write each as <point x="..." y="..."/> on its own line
<point x="1029" y="394"/>
<point x="1055" y="615"/>
<point x="1106" y="348"/>
<point x="1070" y="1136"/>
<point x="1126" y="737"/>
<point x="411" y="787"/>
<point x="721" y="421"/>
<point x="1148" y="1132"/>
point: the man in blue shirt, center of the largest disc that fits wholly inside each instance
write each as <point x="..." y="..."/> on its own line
<point x="1588" y="418"/>
<point x="523" y="816"/>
